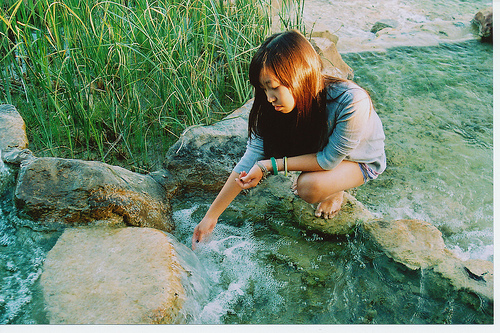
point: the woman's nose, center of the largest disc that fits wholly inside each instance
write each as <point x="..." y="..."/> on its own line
<point x="270" y="97"/>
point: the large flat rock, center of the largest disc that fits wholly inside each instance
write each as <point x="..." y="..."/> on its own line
<point x="104" y="275"/>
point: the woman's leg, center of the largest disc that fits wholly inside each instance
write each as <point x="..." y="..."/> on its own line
<point x="327" y="187"/>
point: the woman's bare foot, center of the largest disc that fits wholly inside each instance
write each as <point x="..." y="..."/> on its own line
<point x="331" y="206"/>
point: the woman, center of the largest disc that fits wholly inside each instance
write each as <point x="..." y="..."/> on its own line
<point x="304" y="121"/>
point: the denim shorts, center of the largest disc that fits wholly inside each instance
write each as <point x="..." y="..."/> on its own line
<point x="368" y="173"/>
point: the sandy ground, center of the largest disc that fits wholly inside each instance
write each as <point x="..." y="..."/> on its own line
<point x="415" y="22"/>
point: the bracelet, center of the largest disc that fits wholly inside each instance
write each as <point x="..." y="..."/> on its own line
<point x="285" y="165"/>
<point x="275" y="166"/>
<point x="264" y="170"/>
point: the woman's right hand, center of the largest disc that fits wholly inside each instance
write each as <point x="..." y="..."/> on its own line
<point x="202" y="230"/>
<point x="250" y="179"/>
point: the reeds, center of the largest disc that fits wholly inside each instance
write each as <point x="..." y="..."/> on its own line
<point x="117" y="81"/>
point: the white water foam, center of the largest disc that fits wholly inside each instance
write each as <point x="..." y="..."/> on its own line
<point x="237" y="277"/>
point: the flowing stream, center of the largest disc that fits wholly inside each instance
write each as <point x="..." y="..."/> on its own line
<point x="436" y="103"/>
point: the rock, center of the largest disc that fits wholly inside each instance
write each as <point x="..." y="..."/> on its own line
<point x="350" y="215"/>
<point x="12" y="129"/>
<point x="383" y="24"/>
<point x="325" y="44"/>
<point x="204" y="156"/>
<point x="416" y="244"/>
<point x="275" y="195"/>
<point x="54" y="191"/>
<point x="105" y="275"/>
<point x="419" y="245"/>
<point x="17" y="156"/>
<point x="475" y="276"/>
<point x="484" y="21"/>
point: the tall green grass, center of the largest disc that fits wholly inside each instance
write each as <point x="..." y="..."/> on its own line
<point x="119" y="80"/>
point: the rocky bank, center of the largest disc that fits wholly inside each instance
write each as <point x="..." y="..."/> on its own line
<point x="114" y="262"/>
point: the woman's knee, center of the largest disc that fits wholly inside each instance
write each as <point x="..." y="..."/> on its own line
<point x="308" y="188"/>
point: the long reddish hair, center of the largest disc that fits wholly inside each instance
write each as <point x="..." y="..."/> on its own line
<point x="295" y="63"/>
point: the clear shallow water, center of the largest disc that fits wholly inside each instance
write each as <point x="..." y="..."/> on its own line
<point x="436" y="106"/>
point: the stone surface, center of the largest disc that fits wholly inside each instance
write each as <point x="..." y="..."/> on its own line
<point x="484" y="21"/>
<point x="325" y="44"/>
<point x="17" y="156"/>
<point x="419" y="245"/>
<point x="475" y="276"/>
<point x="204" y="156"/>
<point x="54" y="191"/>
<point x="383" y="24"/>
<point x="414" y="243"/>
<point x="12" y="129"/>
<point x="275" y="195"/>
<point x="105" y="275"/>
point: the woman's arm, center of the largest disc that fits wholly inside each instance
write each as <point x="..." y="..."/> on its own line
<point x="307" y="162"/>
<point x="226" y="195"/>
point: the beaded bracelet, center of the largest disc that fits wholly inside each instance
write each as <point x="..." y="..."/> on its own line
<point x="275" y="166"/>
<point x="264" y="170"/>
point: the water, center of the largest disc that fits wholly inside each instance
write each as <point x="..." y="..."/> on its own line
<point x="436" y="105"/>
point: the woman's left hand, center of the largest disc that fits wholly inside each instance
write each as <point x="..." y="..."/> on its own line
<point x="250" y="179"/>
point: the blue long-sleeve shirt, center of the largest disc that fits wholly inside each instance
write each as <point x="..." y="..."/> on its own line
<point x="355" y="132"/>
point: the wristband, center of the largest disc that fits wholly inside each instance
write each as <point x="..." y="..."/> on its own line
<point x="264" y="170"/>
<point x="285" y="165"/>
<point x="275" y="166"/>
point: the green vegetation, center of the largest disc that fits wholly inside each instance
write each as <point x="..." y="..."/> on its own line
<point x="118" y="81"/>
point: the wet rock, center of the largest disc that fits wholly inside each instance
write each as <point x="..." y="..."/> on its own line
<point x="351" y="214"/>
<point x="414" y="243"/>
<point x="56" y="191"/>
<point x="384" y="24"/>
<point x="419" y="245"/>
<point x="475" y="276"/>
<point x="105" y="275"/>
<point x="484" y="22"/>
<point x="12" y="129"/>
<point x="274" y="194"/>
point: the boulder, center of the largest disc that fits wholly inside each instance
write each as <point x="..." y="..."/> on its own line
<point x="325" y="44"/>
<point x="12" y="129"/>
<point x="419" y="245"/>
<point x="484" y="22"/>
<point x="204" y="156"/>
<point x="55" y="191"/>
<point x="384" y="24"/>
<point x="17" y="156"/>
<point x="274" y="195"/>
<point x="104" y="275"/>
<point x="414" y="243"/>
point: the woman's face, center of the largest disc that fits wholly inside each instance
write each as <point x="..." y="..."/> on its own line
<point x="277" y="94"/>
